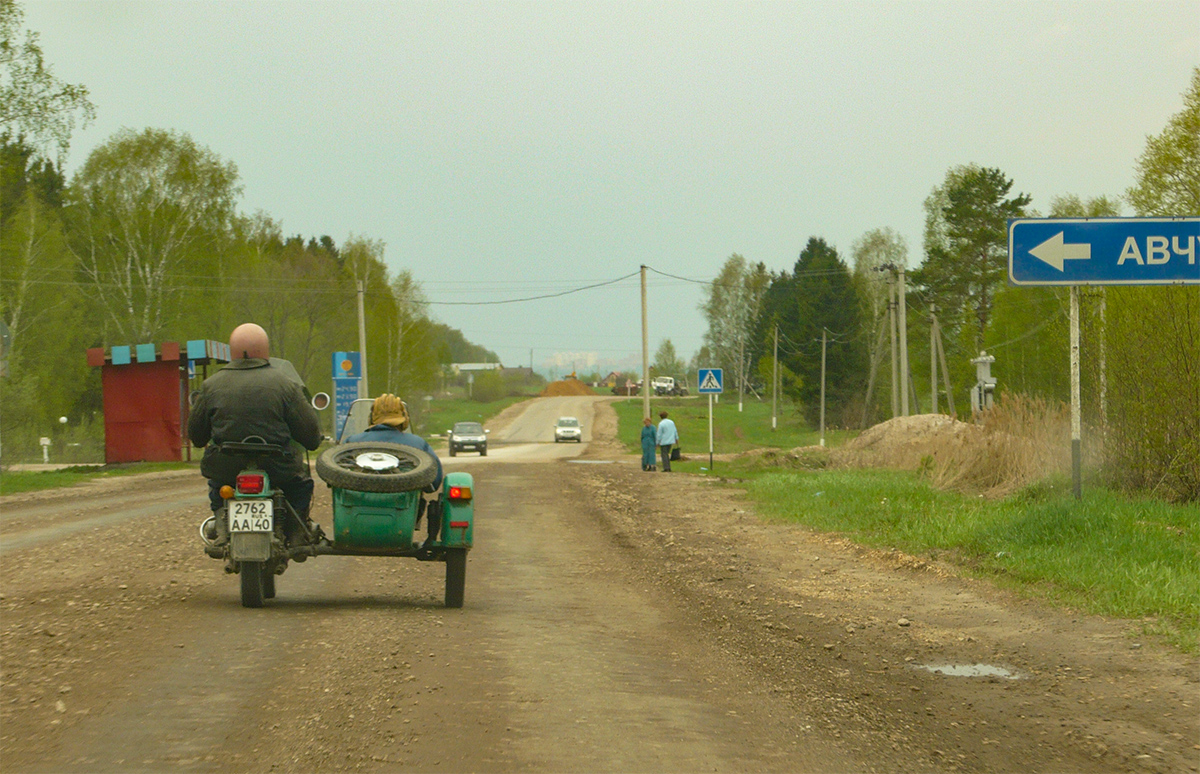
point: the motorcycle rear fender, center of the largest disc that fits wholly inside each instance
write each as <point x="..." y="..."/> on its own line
<point x="458" y="512"/>
<point x="250" y="546"/>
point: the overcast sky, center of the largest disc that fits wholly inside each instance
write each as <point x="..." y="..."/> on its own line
<point x="504" y="150"/>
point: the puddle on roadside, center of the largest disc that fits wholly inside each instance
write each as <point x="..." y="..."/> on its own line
<point x="970" y="670"/>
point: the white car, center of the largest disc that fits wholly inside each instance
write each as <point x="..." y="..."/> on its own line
<point x="568" y="429"/>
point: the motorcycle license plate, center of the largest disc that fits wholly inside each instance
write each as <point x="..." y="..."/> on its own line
<point x="251" y="516"/>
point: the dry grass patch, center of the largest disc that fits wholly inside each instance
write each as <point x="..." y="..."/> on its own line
<point x="1011" y="446"/>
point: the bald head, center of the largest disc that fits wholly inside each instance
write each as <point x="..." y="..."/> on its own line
<point x="249" y="340"/>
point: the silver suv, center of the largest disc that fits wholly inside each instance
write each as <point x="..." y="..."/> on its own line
<point x="468" y="436"/>
<point x="568" y="429"/>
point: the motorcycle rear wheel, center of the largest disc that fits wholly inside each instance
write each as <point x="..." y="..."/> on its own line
<point x="268" y="582"/>
<point x="252" y="583"/>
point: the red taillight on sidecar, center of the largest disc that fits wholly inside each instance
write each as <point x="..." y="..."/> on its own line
<point x="460" y="493"/>
<point x="250" y="483"/>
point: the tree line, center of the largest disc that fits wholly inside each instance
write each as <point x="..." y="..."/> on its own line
<point x="144" y="245"/>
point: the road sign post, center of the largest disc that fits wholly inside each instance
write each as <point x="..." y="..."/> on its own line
<point x="712" y="382"/>
<point x="347" y="377"/>
<point x="1100" y="251"/>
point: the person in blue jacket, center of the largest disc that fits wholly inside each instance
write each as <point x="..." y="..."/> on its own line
<point x="668" y="436"/>
<point x="649" y="441"/>
<point x="389" y="424"/>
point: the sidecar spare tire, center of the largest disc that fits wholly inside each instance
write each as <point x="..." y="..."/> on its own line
<point x="370" y="466"/>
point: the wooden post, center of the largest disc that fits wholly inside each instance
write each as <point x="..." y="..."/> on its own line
<point x="822" y="386"/>
<point x="775" y="381"/>
<point x="932" y="359"/>
<point x="645" y="353"/>
<point x="1076" y="433"/>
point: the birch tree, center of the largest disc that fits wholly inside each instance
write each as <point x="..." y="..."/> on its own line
<point x="1154" y="438"/>
<point x="877" y="254"/>
<point x="731" y="309"/>
<point x="145" y="206"/>
<point x="34" y="104"/>
<point x="1168" y="171"/>
<point x="412" y="346"/>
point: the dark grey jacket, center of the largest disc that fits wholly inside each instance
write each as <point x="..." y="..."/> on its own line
<point x="251" y="397"/>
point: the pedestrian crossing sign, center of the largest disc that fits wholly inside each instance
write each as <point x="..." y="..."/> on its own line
<point x="711" y="381"/>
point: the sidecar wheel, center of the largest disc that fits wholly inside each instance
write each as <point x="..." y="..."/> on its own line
<point x="370" y="466"/>
<point x="456" y="576"/>
<point x="252" y="584"/>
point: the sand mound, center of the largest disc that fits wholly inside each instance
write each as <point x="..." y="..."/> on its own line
<point x="565" y="387"/>
<point x="902" y="442"/>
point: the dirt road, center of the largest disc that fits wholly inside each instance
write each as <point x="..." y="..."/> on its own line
<point x="615" y="620"/>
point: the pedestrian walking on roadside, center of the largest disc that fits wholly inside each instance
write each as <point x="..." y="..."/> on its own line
<point x="667" y="437"/>
<point x="649" y="441"/>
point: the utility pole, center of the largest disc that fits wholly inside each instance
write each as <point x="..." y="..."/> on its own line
<point x="941" y="354"/>
<point x="892" y="327"/>
<point x="933" y="359"/>
<point x="876" y="357"/>
<point x="645" y="353"/>
<point x="363" y="392"/>
<point x="775" y="380"/>
<point x="904" y="373"/>
<point x="822" y="386"/>
<point x="741" y="370"/>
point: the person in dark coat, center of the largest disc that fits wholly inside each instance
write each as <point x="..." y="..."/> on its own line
<point x="389" y="424"/>
<point x="649" y="441"/>
<point x="252" y="397"/>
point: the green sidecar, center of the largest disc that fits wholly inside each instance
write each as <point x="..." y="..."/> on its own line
<point x="380" y="496"/>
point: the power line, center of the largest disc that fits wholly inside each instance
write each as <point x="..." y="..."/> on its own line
<point x="271" y="286"/>
<point x="532" y="298"/>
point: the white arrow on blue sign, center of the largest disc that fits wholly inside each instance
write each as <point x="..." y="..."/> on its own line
<point x="711" y="381"/>
<point x="1103" y="251"/>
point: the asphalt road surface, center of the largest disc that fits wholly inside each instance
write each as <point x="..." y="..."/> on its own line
<point x="615" y="621"/>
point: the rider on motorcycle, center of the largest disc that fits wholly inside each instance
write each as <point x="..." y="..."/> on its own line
<point x="389" y="424"/>
<point x="250" y="397"/>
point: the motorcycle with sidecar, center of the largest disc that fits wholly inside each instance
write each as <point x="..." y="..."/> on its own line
<point x="380" y="495"/>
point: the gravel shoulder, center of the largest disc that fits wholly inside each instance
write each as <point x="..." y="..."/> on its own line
<point x="855" y="629"/>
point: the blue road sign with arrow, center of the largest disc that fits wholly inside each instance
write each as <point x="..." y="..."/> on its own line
<point x="1104" y="251"/>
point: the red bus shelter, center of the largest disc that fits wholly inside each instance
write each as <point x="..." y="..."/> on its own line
<point x="146" y="397"/>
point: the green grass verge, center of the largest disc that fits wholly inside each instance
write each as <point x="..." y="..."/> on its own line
<point x="17" y="481"/>
<point x="733" y="431"/>
<point x="1109" y="554"/>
